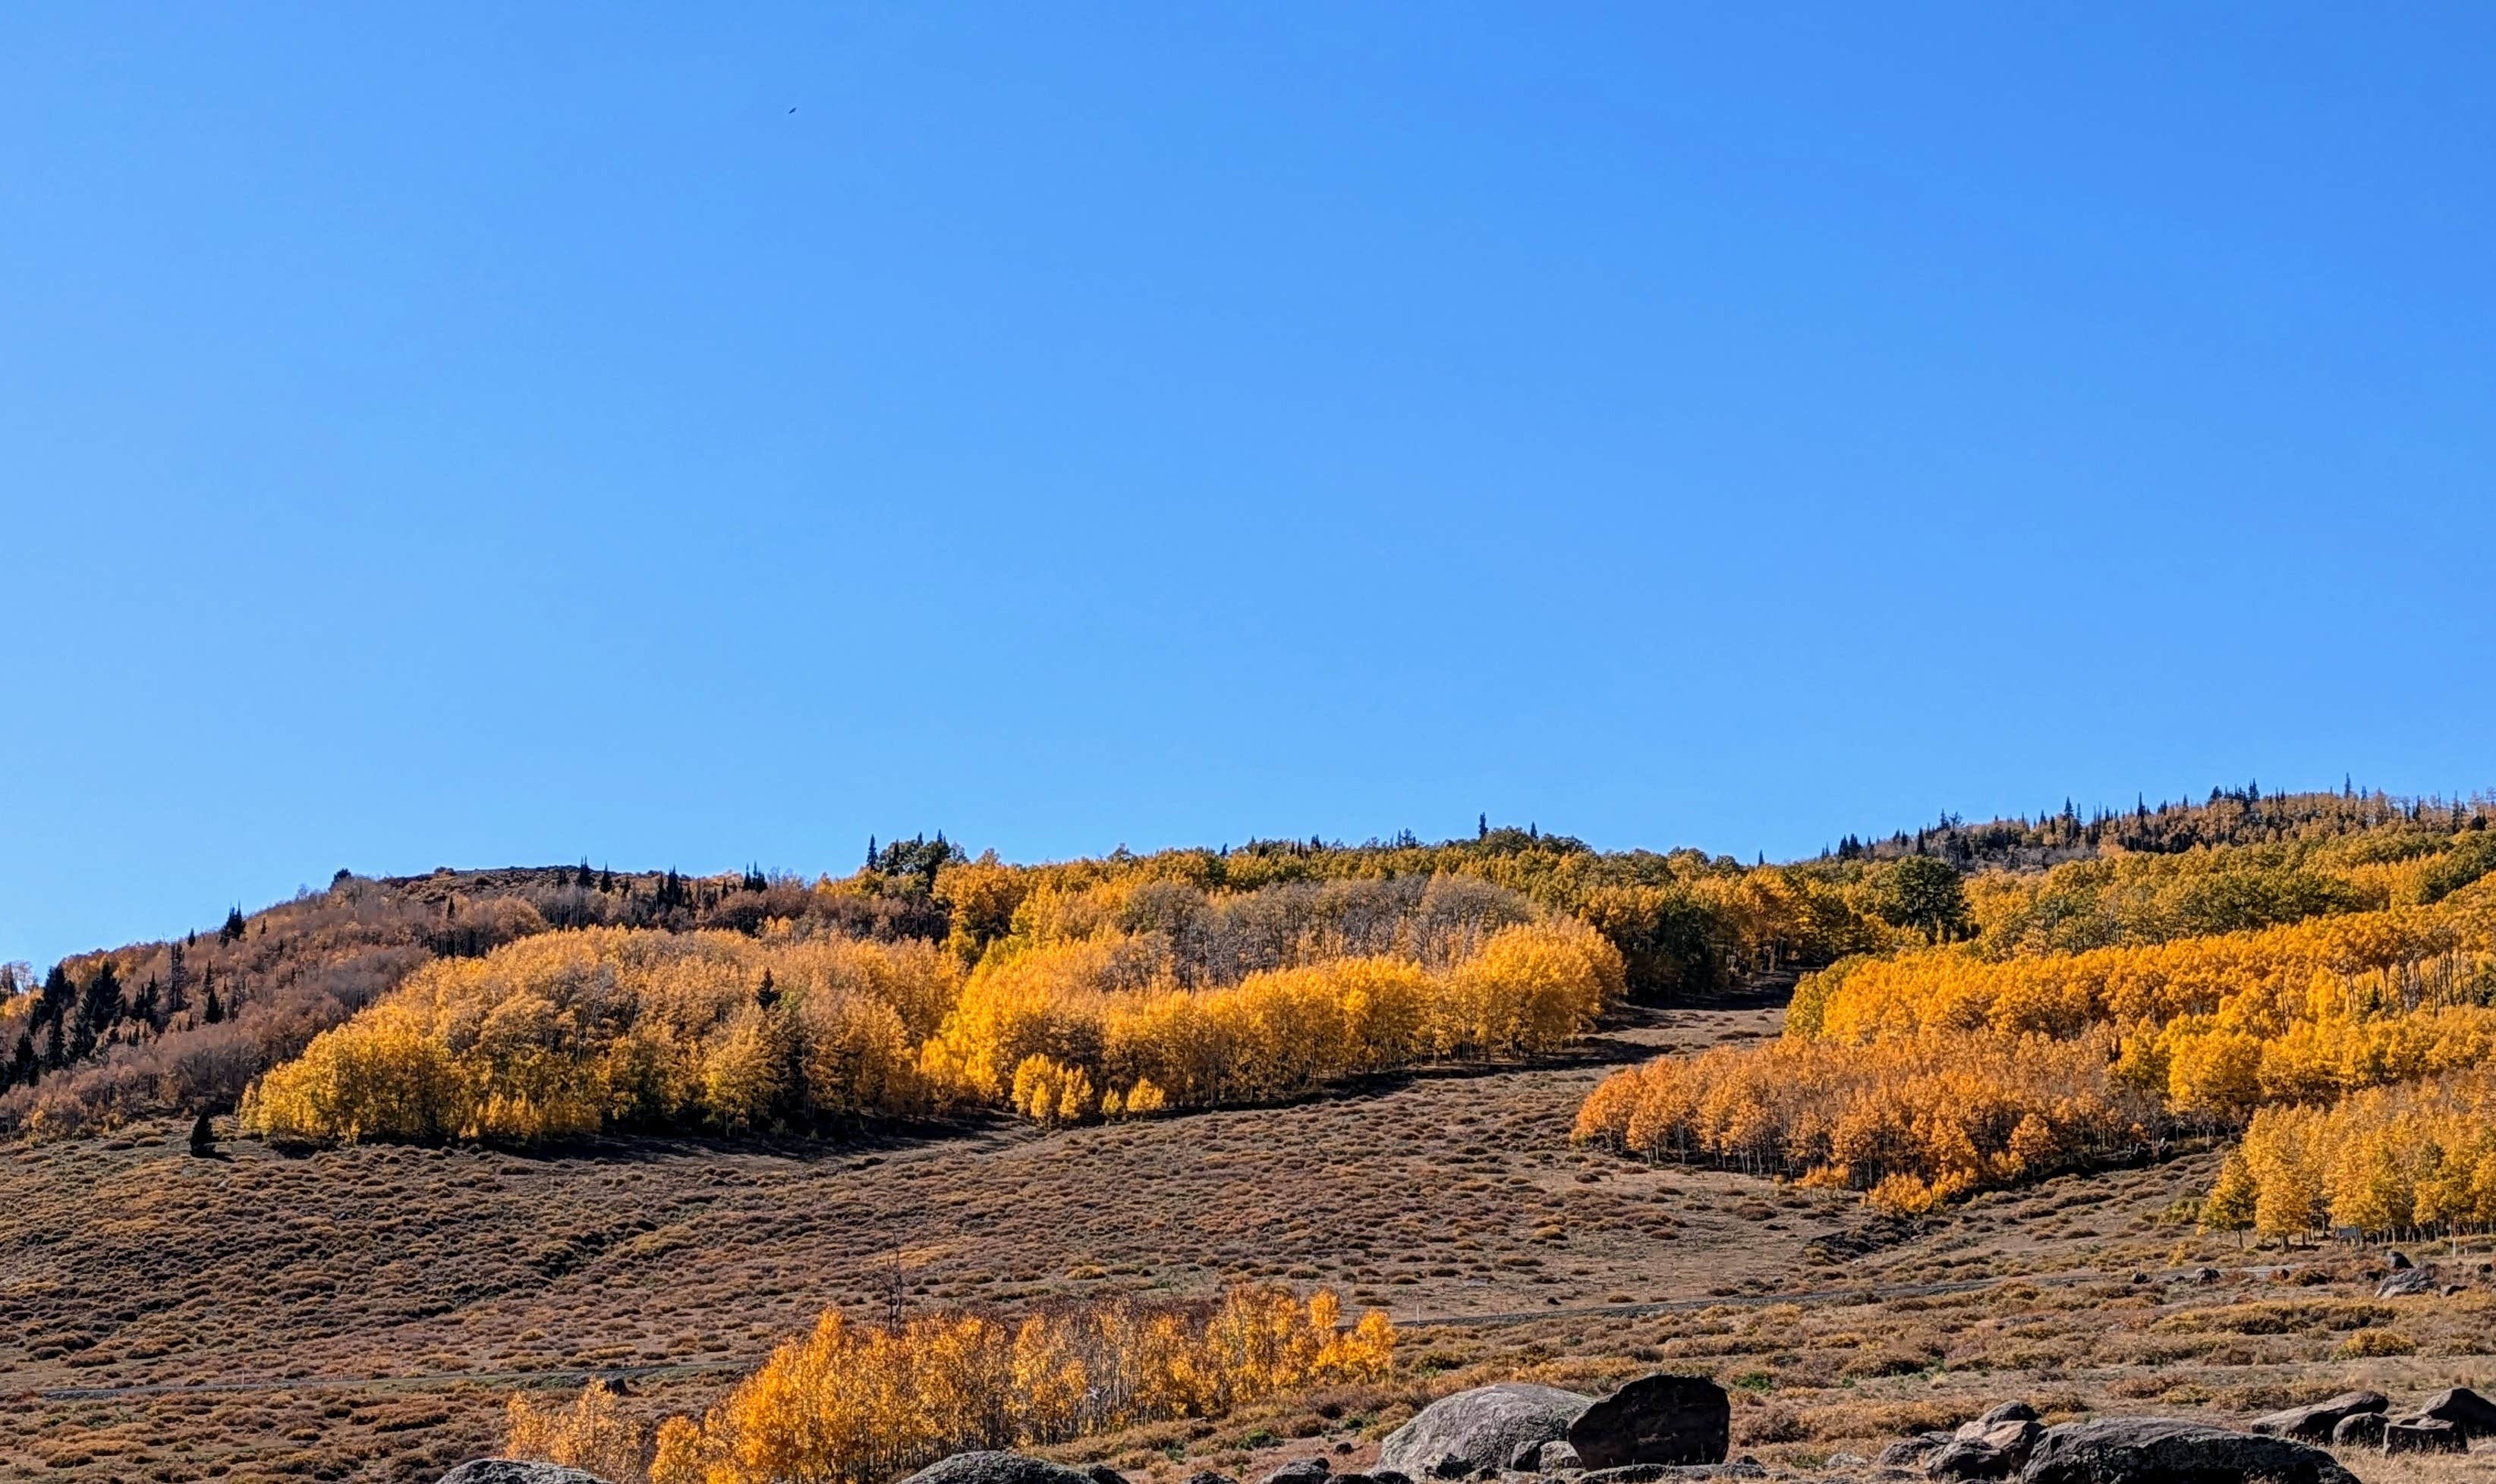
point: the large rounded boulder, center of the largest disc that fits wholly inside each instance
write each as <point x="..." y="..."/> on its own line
<point x="1655" y="1419"/>
<point x="1985" y="1451"/>
<point x="996" y="1467"/>
<point x="1464" y="1433"/>
<point x="514" y="1470"/>
<point x="2471" y="1414"/>
<point x="2315" y="1423"/>
<point x="2166" y="1450"/>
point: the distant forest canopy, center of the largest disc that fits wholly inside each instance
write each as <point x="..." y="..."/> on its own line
<point x="190" y="1024"/>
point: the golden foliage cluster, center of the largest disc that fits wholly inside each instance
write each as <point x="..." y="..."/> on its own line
<point x="2126" y="900"/>
<point x="592" y="1435"/>
<point x="1089" y="1025"/>
<point x="1678" y="919"/>
<point x="564" y="1034"/>
<point x="1913" y="1076"/>
<point x="1914" y="1121"/>
<point x="569" y="1033"/>
<point x="863" y="1405"/>
<point x="2388" y="1161"/>
<point x="2255" y="975"/>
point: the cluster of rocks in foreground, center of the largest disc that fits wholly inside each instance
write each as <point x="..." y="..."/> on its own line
<point x="1668" y="1428"/>
<point x="2286" y="1446"/>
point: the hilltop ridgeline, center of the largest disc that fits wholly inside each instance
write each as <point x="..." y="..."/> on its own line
<point x="188" y="1025"/>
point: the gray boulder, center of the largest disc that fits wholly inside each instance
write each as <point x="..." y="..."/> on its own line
<point x="2423" y="1435"/>
<point x="2359" y="1430"/>
<point x="990" y="1465"/>
<point x="1302" y="1471"/>
<point x="2002" y="1412"/>
<point x="2472" y="1414"/>
<point x="2407" y="1282"/>
<point x="1909" y="1452"/>
<point x="1655" y="1419"/>
<point x="2166" y="1450"/>
<point x="1672" y="1473"/>
<point x="2315" y="1423"/>
<point x="1981" y="1452"/>
<point x="1460" y="1435"/>
<point x="513" y="1471"/>
<point x="1545" y="1457"/>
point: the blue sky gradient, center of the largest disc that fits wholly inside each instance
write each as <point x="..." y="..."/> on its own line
<point x="476" y="435"/>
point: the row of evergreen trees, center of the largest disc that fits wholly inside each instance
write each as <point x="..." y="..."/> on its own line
<point x="2230" y="817"/>
<point x="71" y="1021"/>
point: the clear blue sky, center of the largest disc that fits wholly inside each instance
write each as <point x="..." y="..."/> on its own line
<point x="464" y="435"/>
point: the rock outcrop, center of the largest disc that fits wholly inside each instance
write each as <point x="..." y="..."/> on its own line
<point x="1983" y="1451"/>
<point x="2315" y="1423"/>
<point x="513" y="1471"/>
<point x="1910" y="1452"/>
<point x="1660" y="1420"/>
<point x="2359" y="1430"/>
<point x="2166" y="1450"/>
<point x="995" y="1467"/>
<point x="1546" y="1457"/>
<point x="1459" y="1436"/>
<point x="2472" y="1414"/>
<point x="2422" y="1434"/>
<point x="1655" y="1419"/>
<point x="2407" y="1282"/>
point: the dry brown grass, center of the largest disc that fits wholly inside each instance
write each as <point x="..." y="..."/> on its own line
<point x="380" y="1303"/>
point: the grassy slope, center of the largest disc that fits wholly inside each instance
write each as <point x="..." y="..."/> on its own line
<point x="348" y="1293"/>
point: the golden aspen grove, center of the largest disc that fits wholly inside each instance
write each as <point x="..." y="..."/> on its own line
<point x="567" y="1034"/>
<point x="858" y="1404"/>
<point x="2321" y="979"/>
<point x="1097" y="1143"/>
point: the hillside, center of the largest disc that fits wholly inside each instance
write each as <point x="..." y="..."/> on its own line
<point x="158" y="1028"/>
<point x="1875" y="1139"/>
<point x="364" y="1312"/>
